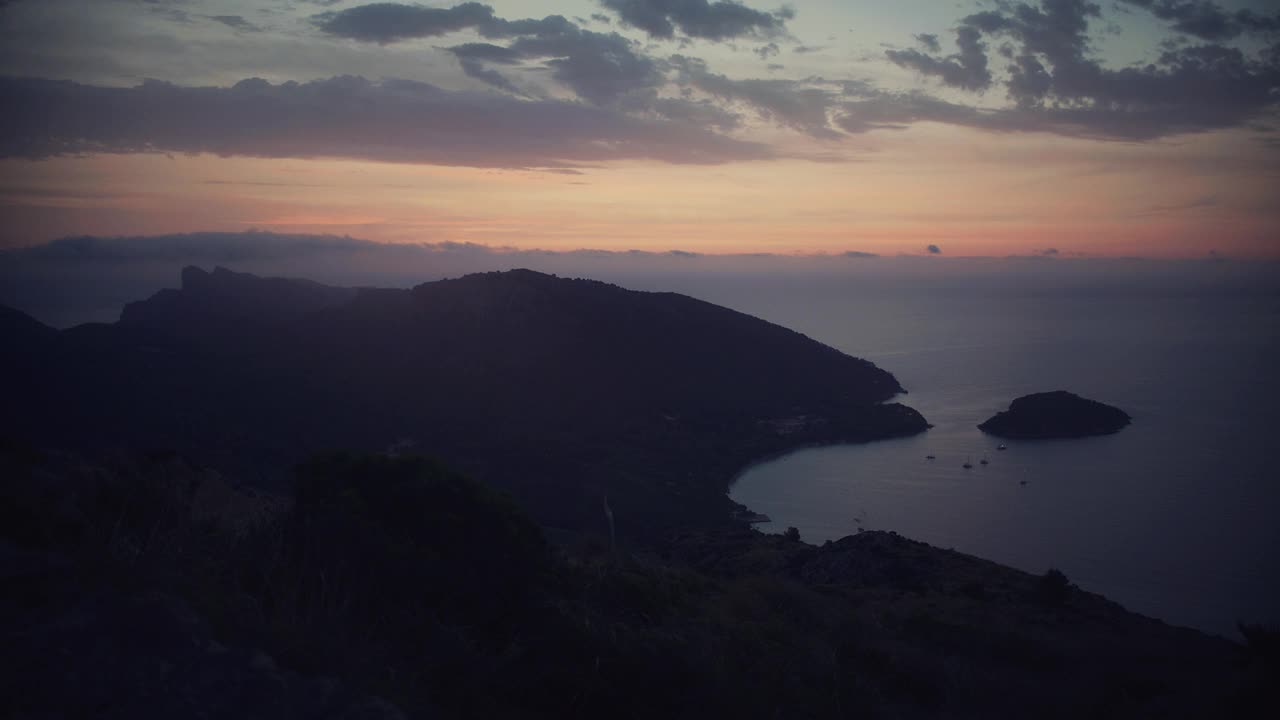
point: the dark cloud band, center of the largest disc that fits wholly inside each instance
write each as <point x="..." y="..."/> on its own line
<point x="343" y="117"/>
<point x="1208" y="20"/>
<point x="1055" y="85"/>
<point x="698" y="18"/>
<point x="390" y="22"/>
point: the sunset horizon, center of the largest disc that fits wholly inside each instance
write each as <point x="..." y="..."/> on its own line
<point x="1138" y="128"/>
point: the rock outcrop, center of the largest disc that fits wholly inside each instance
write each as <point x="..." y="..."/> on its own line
<point x="1057" y="414"/>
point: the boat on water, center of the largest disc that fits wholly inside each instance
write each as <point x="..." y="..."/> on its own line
<point x="1002" y="446"/>
<point x="967" y="463"/>
<point x="984" y="460"/>
<point x="930" y="457"/>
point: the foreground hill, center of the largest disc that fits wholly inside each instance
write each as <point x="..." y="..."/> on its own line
<point x="565" y="392"/>
<point x="142" y="587"/>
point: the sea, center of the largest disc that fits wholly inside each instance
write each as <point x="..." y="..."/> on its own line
<point x="1176" y="517"/>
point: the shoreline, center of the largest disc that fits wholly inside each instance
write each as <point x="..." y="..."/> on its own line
<point x="743" y="511"/>
<point x="777" y="454"/>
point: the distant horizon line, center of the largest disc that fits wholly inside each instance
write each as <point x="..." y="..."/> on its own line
<point x="331" y="241"/>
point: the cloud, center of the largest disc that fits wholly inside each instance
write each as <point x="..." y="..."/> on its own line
<point x="720" y="20"/>
<point x="476" y="69"/>
<point x="599" y="67"/>
<point x="1054" y="85"/>
<point x="1051" y="81"/>
<point x="235" y="22"/>
<point x="388" y="22"/>
<point x="1208" y="20"/>
<point x="873" y="109"/>
<point x="1049" y="252"/>
<point x="487" y="52"/>
<point x="787" y="102"/>
<point x="966" y="70"/>
<point x="767" y="51"/>
<point x="391" y="22"/>
<point x="700" y="113"/>
<point x="473" y="56"/>
<point x="897" y="111"/>
<point x="171" y="14"/>
<point x="200" y="247"/>
<point x="343" y="117"/>
<point x="929" y="42"/>
<point x="933" y="250"/>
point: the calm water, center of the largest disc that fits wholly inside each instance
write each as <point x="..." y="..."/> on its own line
<point x="1175" y="517"/>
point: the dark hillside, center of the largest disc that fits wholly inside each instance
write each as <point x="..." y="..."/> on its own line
<point x="564" y="392"/>
<point x="228" y="311"/>
<point x="142" y="586"/>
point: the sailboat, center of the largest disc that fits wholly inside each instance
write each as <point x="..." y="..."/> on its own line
<point x="968" y="464"/>
<point x="984" y="460"/>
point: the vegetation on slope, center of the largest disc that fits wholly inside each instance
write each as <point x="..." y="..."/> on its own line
<point x="409" y="582"/>
<point x="561" y="392"/>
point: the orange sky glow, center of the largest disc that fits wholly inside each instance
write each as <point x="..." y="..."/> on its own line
<point x="880" y="139"/>
<point x="972" y="192"/>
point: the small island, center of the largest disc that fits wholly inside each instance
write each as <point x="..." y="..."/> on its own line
<point x="1057" y="414"/>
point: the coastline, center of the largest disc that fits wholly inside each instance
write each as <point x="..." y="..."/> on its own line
<point x="850" y="439"/>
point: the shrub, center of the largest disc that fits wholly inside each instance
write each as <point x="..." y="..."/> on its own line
<point x="369" y="532"/>
<point x="1053" y="588"/>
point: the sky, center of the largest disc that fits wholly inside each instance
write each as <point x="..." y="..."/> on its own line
<point x="1052" y="128"/>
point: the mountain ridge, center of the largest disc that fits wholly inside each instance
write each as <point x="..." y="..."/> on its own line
<point x="563" y="391"/>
